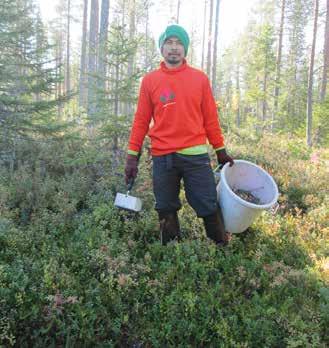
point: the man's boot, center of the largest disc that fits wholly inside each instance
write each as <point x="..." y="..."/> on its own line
<point x="215" y="228"/>
<point x="169" y="227"/>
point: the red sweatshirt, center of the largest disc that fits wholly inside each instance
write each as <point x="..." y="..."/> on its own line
<point x="181" y="105"/>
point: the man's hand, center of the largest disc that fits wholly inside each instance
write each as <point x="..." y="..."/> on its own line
<point x="223" y="158"/>
<point x="131" y="168"/>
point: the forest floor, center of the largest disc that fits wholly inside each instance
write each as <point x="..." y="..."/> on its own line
<point x="77" y="272"/>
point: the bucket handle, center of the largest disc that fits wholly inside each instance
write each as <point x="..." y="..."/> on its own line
<point x="274" y="209"/>
<point x="216" y="171"/>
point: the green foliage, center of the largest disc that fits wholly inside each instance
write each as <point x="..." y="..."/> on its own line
<point x="321" y="123"/>
<point x="78" y="272"/>
<point x="27" y="77"/>
<point x="119" y="87"/>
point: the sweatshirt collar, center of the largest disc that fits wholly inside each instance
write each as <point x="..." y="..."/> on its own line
<point x="164" y="68"/>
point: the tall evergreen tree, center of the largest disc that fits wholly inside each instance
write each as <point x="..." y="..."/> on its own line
<point x="27" y="77"/>
<point x="120" y="87"/>
<point x="294" y="72"/>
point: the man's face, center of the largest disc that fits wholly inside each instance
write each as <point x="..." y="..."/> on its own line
<point x="173" y="51"/>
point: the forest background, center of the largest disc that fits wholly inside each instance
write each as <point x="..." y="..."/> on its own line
<point x="73" y="269"/>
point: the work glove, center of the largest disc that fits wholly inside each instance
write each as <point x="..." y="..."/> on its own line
<point x="223" y="158"/>
<point x="131" y="168"/>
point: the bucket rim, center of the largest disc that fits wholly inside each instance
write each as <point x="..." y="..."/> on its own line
<point x="242" y="201"/>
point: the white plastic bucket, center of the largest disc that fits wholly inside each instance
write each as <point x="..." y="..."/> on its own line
<point x="239" y="214"/>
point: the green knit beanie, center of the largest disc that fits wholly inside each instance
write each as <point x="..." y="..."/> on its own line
<point x="177" y="31"/>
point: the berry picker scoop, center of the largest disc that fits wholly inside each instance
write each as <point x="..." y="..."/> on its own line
<point x="128" y="202"/>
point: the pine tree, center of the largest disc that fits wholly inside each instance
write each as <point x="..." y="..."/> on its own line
<point x="325" y="56"/>
<point x="310" y="78"/>
<point x="278" y="63"/>
<point x="83" y="59"/>
<point x="214" y="60"/>
<point x="92" y="58"/>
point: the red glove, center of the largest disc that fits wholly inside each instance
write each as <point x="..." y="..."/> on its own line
<point x="131" y="168"/>
<point x="223" y="158"/>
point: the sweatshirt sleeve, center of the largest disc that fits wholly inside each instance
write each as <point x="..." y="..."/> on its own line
<point x="210" y="115"/>
<point x="142" y="119"/>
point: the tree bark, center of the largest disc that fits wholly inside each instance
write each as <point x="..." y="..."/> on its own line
<point x="92" y="59"/>
<point x="116" y="103"/>
<point x="209" y="38"/>
<point x="178" y="8"/>
<point x="214" y="63"/>
<point x="103" y="31"/>
<point x="278" y="65"/>
<point x="204" y="32"/>
<point x="310" y="78"/>
<point x="132" y="31"/>
<point x="238" y="120"/>
<point x="147" y="36"/>
<point x="325" y="57"/>
<point x="264" y="103"/>
<point x="68" y="22"/>
<point x="83" y="79"/>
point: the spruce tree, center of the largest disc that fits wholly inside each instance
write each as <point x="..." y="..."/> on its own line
<point x="27" y="76"/>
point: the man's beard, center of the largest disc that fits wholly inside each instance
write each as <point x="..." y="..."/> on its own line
<point x="173" y="60"/>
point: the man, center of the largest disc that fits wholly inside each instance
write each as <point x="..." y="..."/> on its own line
<point x="179" y="101"/>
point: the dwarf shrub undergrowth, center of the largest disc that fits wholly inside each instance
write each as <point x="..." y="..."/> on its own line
<point x="75" y="271"/>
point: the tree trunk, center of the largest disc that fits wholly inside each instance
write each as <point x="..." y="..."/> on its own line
<point x="68" y="22"/>
<point x="214" y="63"/>
<point x="238" y="120"/>
<point x="116" y="104"/>
<point x="325" y="57"/>
<point x="103" y="30"/>
<point x="132" y="31"/>
<point x="278" y="65"/>
<point x="122" y="70"/>
<point x="92" y="59"/>
<point x="264" y="104"/>
<point x="310" y="78"/>
<point x="83" y="79"/>
<point x="209" y="38"/>
<point x="60" y="63"/>
<point x="147" y="37"/>
<point x="178" y="8"/>
<point x="204" y="32"/>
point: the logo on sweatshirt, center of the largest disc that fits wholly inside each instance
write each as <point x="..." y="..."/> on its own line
<point x="167" y="96"/>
